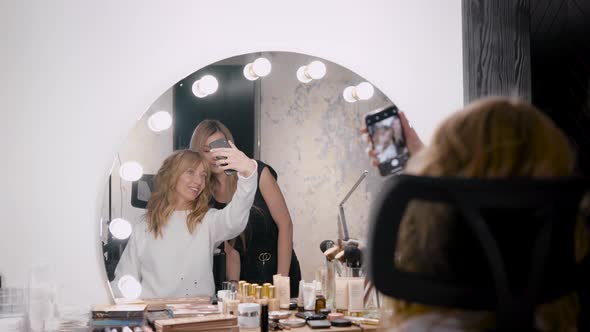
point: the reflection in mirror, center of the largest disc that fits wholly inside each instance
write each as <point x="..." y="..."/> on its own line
<point x="298" y="114"/>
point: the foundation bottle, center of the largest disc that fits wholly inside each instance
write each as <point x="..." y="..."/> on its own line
<point x="273" y="300"/>
<point x="265" y="293"/>
<point x="246" y="298"/>
<point x="320" y="301"/>
<point x="231" y="304"/>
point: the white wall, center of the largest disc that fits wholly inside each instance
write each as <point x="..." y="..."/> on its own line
<point x="75" y="76"/>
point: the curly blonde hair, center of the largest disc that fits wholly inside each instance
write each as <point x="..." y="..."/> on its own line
<point x="163" y="200"/>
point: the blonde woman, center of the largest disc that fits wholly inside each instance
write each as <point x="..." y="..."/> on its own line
<point x="491" y="138"/>
<point x="171" y="253"/>
<point x="266" y="246"/>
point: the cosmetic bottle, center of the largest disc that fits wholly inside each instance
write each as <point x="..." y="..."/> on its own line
<point x="265" y="293"/>
<point x="300" y="297"/>
<point x="231" y="304"/>
<point x="273" y="301"/>
<point x="263" y="315"/>
<point x="320" y="300"/>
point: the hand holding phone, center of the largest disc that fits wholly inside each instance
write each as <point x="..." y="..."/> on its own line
<point x="222" y="143"/>
<point x="387" y="139"/>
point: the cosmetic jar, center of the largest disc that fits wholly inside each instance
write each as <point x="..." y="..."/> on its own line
<point x="276" y="315"/>
<point x="341" y="322"/>
<point x="293" y="322"/>
<point x="249" y="315"/>
<point x="335" y="315"/>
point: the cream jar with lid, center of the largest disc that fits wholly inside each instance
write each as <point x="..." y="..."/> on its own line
<point x="249" y="315"/>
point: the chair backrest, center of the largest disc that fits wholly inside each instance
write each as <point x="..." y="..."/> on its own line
<point x="141" y="191"/>
<point x="522" y="233"/>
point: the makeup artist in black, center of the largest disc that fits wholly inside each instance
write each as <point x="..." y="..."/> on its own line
<point x="265" y="248"/>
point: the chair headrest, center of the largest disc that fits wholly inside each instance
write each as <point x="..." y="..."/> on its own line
<point x="141" y="191"/>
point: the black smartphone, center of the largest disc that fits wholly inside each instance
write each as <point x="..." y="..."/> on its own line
<point x="319" y="324"/>
<point x="222" y="143"/>
<point x="388" y="139"/>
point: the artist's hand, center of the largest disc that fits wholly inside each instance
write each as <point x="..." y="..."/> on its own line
<point x="234" y="159"/>
<point x="413" y="141"/>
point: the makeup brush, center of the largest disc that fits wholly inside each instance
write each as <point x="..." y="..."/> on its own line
<point x="353" y="256"/>
<point x="326" y="244"/>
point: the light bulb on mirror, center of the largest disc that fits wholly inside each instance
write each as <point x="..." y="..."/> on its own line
<point x="316" y="70"/>
<point x="120" y="228"/>
<point x="261" y="67"/>
<point x="197" y="91"/>
<point x="129" y="286"/>
<point x="249" y="73"/>
<point x="365" y="90"/>
<point x="205" y="86"/>
<point x="302" y="76"/>
<point x="349" y="94"/>
<point x="131" y="171"/>
<point x="209" y="84"/>
<point x="160" y="121"/>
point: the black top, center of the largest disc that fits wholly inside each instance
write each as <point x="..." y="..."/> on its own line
<point x="257" y="245"/>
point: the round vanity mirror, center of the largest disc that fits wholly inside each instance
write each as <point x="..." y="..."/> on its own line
<point x="300" y="115"/>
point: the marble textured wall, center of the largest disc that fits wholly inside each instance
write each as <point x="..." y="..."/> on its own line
<point x="310" y="135"/>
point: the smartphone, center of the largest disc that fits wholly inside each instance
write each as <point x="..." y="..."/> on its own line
<point x="222" y="143"/>
<point x="388" y="139"/>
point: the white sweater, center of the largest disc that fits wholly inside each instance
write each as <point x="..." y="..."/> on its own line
<point x="180" y="264"/>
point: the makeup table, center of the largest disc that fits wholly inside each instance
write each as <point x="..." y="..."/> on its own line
<point x="333" y="329"/>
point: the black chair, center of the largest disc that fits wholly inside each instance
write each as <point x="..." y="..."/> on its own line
<point x="140" y="195"/>
<point x="522" y="250"/>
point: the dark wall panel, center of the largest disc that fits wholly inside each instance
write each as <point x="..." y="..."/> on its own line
<point x="233" y="104"/>
<point x="496" y="56"/>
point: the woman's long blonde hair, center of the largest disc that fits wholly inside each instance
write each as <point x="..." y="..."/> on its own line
<point x="163" y="200"/>
<point x="491" y="138"/>
<point x="202" y="132"/>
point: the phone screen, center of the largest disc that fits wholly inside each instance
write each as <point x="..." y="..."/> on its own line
<point x="387" y="137"/>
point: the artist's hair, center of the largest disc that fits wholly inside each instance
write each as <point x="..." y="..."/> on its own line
<point x="491" y="138"/>
<point x="163" y="200"/>
<point x="202" y="132"/>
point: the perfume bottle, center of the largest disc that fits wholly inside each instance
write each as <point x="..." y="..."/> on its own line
<point x="320" y="300"/>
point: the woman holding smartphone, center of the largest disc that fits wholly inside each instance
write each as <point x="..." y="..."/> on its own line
<point x="170" y="254"/>
<point x="265" y="248"/>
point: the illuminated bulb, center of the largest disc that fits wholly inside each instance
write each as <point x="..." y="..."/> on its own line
<point x="261" y="67"/>
<point x="160" y="121"/>
<point x="316" y="70"/>
<point x="197" y="91"/>
<point x="365" y="90"/>
<point x="349" y="94"/>
<point x="313" y="71"/>
<point x="120" y="228"/>
<point x="205" y="86"/>
<point x="130" y="288"/>
<point x="208" y="84"/>
<point x="249" y="73"/>
<point x="302" y="76"/>
<point x="131" y="171"/>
